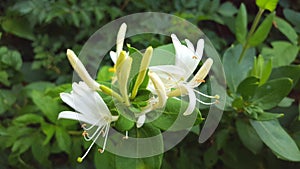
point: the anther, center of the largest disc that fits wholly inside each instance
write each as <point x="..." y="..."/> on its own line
<point x="200" y="80"/>
<point x="83" y="125"/>
<point x="195" y="57"/>
<point x="100" y="150"/>
<point x="84" y="133"/>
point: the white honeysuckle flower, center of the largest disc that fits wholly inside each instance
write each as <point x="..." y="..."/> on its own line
<point x="154" y="103"/>
<point x="119" y="43"/>
<point x="176" y="76"/>
<point x="81" y="71"/>
<point x="91" y="110"/>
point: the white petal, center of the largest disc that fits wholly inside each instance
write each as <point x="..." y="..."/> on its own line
<point x="185" y="58"/>
<point x="113" y="56"/>
<point x="120" y="38"/>
<point x="192" y="101"/>
<point x="68" y="99"/>
<point x="141" y="120"/>
<point x="76" y="116"/>
<point x="190" y="45"/>
<point x="200" y="48"/>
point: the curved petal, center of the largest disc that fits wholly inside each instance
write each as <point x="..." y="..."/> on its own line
<point x="67" y="98"/>
<point x="201" y="74"/>
<point x="192" y="101"/>
<point x="200" y="48"/>
<point x="121" y="38"/>
<point x="141" y="120"/>
<point x="76" y="116"/>
<point x="185" y="58"/>
<point x="190" y="45"/>
<point x="113" y="56"/>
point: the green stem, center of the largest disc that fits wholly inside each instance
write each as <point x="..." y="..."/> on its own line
<point x="252" y="29"/>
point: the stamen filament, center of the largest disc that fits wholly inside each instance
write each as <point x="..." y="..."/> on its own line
<point x="208" y="96"/>
<point x="80" y="159"/>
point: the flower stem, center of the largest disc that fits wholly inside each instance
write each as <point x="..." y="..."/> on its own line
<point x="252" y="29"/>
<point x="110" y="92"/>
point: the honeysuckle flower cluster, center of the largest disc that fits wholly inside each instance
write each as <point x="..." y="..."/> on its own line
<point x="162" y="81"/>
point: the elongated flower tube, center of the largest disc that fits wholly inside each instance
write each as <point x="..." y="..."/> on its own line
<point x="176" y="76"/>
<point x="81" y="71"/>
<point x="143" y="70"/>
<point x="91" y="111"/>
<point x="123" y="67"/>
<point x="154" y="103"/>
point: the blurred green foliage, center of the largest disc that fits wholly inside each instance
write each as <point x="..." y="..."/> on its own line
<point x="261" y="61"/>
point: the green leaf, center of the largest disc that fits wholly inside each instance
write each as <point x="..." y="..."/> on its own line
<point x="104" y="74"/>
<point x="277" y="139"/>
<point x="262" y="31"/>
<point x="144" y="163"/>
<point x="261" y="69"/>
<point x="18" y="26"/>
<point x="174" y="113"/>
<point x="165" y="51"/>
<point x="248" y="136"/>
<point x="227" y="9"/>
<point x="271" y="93"/>
<point x="63" y="139"/>
<point x="4" y="78"/>
<point x="283" y="53"/>
<point x="291" y="71"/>
<point x="40" y="151"/>
<point x="248" y="87"/>
<point x="285" y="28"/>
<point x="236" y="72"/>
<point x="123" y="123"/>
<point x="267" y="4"/>
<point x="22" y="145"/>
<point x="210" y="156"/>
<point x="48" y="130"/>
<point x="12" y="59"/>
<point x="265" y="116"/>
<point x="47" y="105"/>
<point x="286" y="102"/>
<point x="104" y="160"/>
<point x="292" y="16"/>
<point x="221" y="138"/>
<point x="241" y="24"/>
<point x="7" y="99"/>
<point x="28" y="119"/>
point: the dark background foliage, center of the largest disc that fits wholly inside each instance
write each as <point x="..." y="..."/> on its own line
<point x="33" y="70"/>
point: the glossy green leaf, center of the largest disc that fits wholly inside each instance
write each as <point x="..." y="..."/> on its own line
<point x="262" y="31"/>
<point x="248" y="136"/>
<point x="271" y="93"/>
<point x="248" y="87"/>
<point x="277" y="139"/>
<point x="63" y="139"/>
<point x="241" y="22"/>
<point x="286" y="102"/>
<point x="48" y="130"/>
<point x="173" y="111"/>
<point x="267" y="4"/>
<point x="236" y="72"/>
<point x="282" y="53"/>
<point x="291" y="71"/>
<point x="123" y="123"/>
<point x="285" y="28"/>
